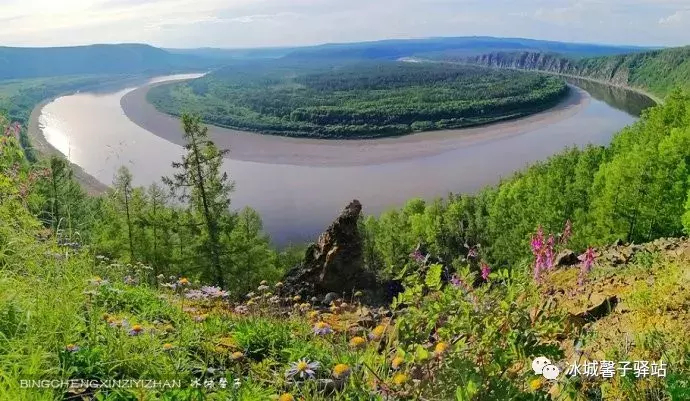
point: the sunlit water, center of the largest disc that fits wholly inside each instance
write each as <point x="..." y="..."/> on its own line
<point x="297" y="202"/>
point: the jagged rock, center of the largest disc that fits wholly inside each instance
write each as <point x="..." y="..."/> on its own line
<point x="566" y="257"/>
<point x="330" y="297"/>
<point x="334" y="263"/>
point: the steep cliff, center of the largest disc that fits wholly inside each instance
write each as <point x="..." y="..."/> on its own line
<point x="657" y="72"/>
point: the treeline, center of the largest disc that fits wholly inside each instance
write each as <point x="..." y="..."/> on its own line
<point x="634" y="190"/>
<point x="359" y="100"/>
<point x="184" y="228"/>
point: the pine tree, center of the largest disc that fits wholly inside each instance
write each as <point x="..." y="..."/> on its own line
<point x="200" y="183"/>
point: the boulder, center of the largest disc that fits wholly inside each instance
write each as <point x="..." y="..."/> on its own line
<point x="566" y="257"/>
<point x="334" y="263"/>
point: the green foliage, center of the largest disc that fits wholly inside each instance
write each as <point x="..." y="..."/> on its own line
<point x="635" y="190"/>
<point x="360" y="100"/>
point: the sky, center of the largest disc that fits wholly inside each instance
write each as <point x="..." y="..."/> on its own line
<point x="269" y="23"/>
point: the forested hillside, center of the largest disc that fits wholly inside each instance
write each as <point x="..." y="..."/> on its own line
<point x="358" y="100"/>
<point x="25" y="62"/>
<point x="137" y="285"/>
<point x="656" y="71"/>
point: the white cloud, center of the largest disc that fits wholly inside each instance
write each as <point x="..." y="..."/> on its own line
<point x="679" y="17"/>
<point x="243" y="23"/>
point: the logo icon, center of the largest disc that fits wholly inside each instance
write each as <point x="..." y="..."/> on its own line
<point x="551" y="372"/>
<point x="543" y="366"/>
<point x="539" y="363"/>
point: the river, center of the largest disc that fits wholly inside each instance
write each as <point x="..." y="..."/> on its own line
<point x="298" y="186"/>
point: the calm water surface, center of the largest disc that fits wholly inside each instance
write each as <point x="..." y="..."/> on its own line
<point x="298" y="202"/>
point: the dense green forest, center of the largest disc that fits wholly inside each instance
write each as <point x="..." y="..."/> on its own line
<point x="656" y="71"/>
<point x="359" y="100"/>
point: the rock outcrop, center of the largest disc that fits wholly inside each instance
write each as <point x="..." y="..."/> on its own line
<point x="334" y="264"/>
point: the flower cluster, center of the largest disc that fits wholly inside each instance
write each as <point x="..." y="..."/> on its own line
<point x="587" y="260"/>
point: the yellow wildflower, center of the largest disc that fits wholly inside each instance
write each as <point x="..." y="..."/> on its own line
<point x="286" y="397"/>
<point x="535" y="384"/>
<point x="397" y="362"/>
<point x="167" y="347"/>
<point x="237" y="355"/>
<point x="341" y="371"/>
<point x="377" y="333"/>
<point x="440" y="348"/>
<point x="358" y="342"/>
<point x="400" y="379"/>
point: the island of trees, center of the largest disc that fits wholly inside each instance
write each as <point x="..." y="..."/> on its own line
<point x="359" y="100"/>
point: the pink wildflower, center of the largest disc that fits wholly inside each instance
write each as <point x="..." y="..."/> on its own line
<point x="587" y="260"/>
<point x="486" y="270"/>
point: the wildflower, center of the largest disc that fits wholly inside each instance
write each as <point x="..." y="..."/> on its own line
<point x="314" y="300"/>
<point x="200" y="318"/>
<point x="97" y="281"/>
<point x="587" y="260"/>
<point x="279" y="285"/>
<point x="274" y="299"/>
<point x="263" y="288"/>
<point x="377" y="333"/>
<point x="263" y="282"/>
<point x="305" y="307"/>
<point x="322" y="328"/>
<point x="183" y="281"/>
<point x="549" y="255"/>
<point x="535" y="384"/>
<point x="417" y="256"/>
<point x="136" y="330"/>
<point x="286" y="397"/>
<point x="250" y="302"/>
<point x="341" y="371"/>
<point x="358" y="294"/>
<point x="214" y="292"/>
<point x="171" y="286"/>
<point x="160" y="277"/>
<point x="250" y="295"/>
<point x="357" y="342"/>
<point x="472" y="253"/>
<point x="397" y="362"/>
<point x="486" y="270"/>
<point x="195" y="294"/>
<point x="72" y="348"/>
<point x="302" y="368"/>
<point x="297" y="298"/>
<point x="129" y="280"/>
<point x="168" y="347"/>
<point x="400" y="379"/>
<point x="237" y="355"/>
<point x="440" y="348"/>
<point x="313" y="314"/>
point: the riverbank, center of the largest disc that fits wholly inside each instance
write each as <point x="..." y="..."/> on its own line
<point x="39" y="143"/>
<point x="268" y="149"/>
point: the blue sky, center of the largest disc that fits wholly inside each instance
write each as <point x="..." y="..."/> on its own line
<point x="260" y="23"/>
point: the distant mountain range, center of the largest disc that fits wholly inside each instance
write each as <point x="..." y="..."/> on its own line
<point x="19" y="63"/>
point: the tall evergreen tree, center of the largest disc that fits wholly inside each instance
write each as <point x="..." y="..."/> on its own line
<point x="200" y="183"/>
